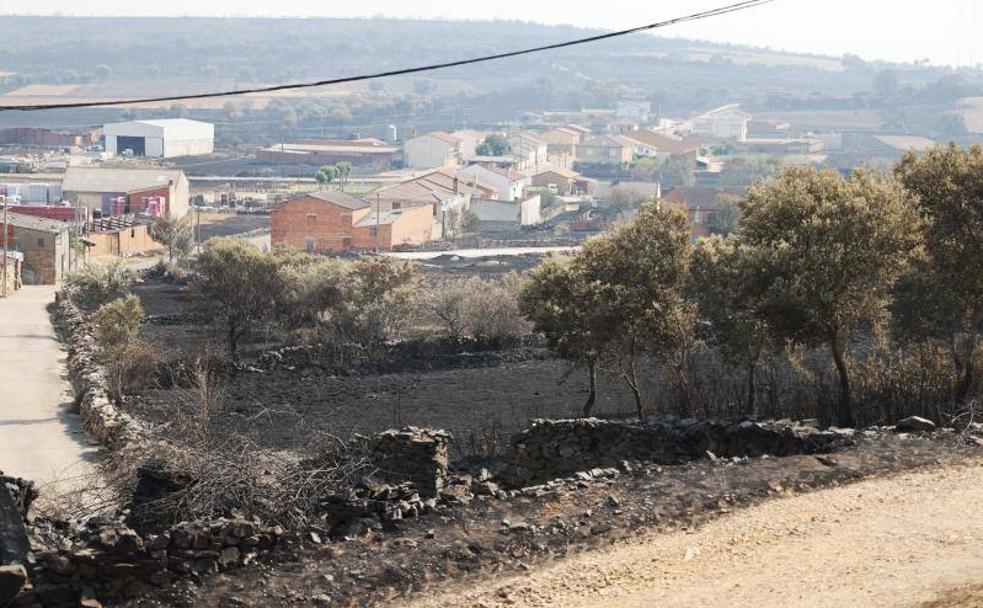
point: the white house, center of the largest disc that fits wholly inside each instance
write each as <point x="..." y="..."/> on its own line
<point x="508" y="184"/>
<point x="166" y="138"/>
<point x="498" y="216"/>
<point x="470" y="140"/>
<point x="726" y="122"/>
<point x="634" y="111"/>
<point x="433" y="150"/>
<point x="530" y="150"/>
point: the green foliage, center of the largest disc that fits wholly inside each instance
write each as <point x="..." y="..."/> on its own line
<point x="495" y="144"/>
<point x="470" y="222"/>
<point x="941" y="297"/>
<point x="93" y="286"/>
<point x="620" y="298"/>
<point x="235" y="285"/>
<point x="562" y="304"/>
<point x="722" y="284"/>
<point x="726" y="214"/>
<point x="117" y="323"/>
<point x="326" y="174"/>
<point x="117" y="332"/>
<point x="826" y="252"/>
<point x="175" y="235"/>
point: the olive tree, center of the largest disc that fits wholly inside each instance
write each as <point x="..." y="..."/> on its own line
<point x="562" y="305"/>
<point x="827" y="251"/>
<point x="176" y="235"/>
<point x="941" y="297"/>
<point x="723" y="286"/>
<point x="639" y="274"/>
<point x="235" y="285"/>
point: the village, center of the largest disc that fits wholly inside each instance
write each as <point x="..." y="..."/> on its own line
<point x="580" y="318"/>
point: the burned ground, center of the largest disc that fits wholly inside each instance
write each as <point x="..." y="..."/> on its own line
<point x="491" y="537"/>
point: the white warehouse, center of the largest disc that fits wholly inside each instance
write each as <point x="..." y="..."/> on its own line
<point x="164" y="138"/>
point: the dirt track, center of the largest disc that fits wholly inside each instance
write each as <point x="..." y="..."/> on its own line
<point x="910" y="540"/>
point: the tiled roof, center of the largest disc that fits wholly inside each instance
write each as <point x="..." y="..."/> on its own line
<point x="31" y="222"/>
<point x="88" y="179"/>
<point x="334" y="197"/>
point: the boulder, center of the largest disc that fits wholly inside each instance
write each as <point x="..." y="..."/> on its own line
<point x="13" y="578"/>
<point x="914" y="424"/>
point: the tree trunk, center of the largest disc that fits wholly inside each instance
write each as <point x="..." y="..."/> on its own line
<point x="233" y="343"/>
<point x="628" y="374"/>
<point x="844" y="407"/>
<point x="592" y="395"/>
<point x="751" y="389"/>
<point x="965" y="382"/>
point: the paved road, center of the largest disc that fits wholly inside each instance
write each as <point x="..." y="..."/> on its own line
<point x="912" y="540"/>
<point x="39" y="438"/>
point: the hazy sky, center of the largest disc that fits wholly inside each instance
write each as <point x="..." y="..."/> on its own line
<point x="944" y="31"/>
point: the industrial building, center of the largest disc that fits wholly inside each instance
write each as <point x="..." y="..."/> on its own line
<point x="166" y="138"/>
<point x="111" y="192"/>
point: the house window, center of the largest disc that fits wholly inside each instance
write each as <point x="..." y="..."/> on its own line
<point x="346" y="217"/>
<point x="41" y="243"/>
<point x="373" y="231"/>
<point x="397" y="205"/>
<point x="311" y="218"/>
<point x="310" y="243"/>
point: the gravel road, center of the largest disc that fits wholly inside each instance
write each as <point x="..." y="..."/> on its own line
<point x="910" y="540"/>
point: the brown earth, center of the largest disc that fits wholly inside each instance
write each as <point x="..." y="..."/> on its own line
<point x="904" y="541"/>
<point x="615" y="540"/>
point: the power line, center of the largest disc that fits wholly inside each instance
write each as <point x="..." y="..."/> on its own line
<point x="723" y="10"/>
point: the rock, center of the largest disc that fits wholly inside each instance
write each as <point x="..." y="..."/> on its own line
<point x="13" y="578"/>
<point x="914" y="424"/>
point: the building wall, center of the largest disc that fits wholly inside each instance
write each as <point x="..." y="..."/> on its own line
<point x="127" y="241"/>
<point x="428" y="152"/>
<point x="311" y="224"/>
<point x="13" y="274"/>
<point x="188" y="147"/>
<point x="413" y="227"/>
<point x="46" y="255"/>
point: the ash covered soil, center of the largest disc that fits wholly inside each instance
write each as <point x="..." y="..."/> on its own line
<point x="489" y="547"/>
<point x="481" y="397"/>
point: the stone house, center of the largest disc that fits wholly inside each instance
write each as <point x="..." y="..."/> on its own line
<point x="45" y="245"/>
<point x="605" y="150"/>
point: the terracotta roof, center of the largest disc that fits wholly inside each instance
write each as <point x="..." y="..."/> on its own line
<point x="662" y="143"/>
<point x="447" y="137"/>
<point x="31" y="222"/>
<point x="334" y="197"/>
<point x="567" y="173"/>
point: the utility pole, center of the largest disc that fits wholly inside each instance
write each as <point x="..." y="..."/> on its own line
<point x="6" y="231"/>
<point x="377" y="203"/>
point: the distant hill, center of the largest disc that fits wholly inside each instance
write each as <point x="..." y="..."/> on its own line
<point x="72" y="58"/>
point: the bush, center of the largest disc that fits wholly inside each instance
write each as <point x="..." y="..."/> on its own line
<point x="117" y="332"/>
<point x="486" y="310"/>
<point x="94" y="286"/>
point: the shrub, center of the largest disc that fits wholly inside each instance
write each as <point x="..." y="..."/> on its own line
<point x="94" y="285"/>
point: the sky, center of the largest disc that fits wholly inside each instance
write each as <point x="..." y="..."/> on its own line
<point x="945" y="32"/>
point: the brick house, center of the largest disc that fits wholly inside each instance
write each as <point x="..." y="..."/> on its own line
<point x="329" y="221"/>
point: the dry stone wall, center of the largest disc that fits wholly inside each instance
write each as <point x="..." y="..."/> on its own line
<point x="416" y="455"/>
<point x="550" y="449"/>
<point x="100" y="417"/>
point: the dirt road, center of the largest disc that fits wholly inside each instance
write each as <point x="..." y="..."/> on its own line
<point x="910" y="540"/>
<point x="39" y="438"/>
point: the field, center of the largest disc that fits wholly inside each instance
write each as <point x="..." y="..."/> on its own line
<point x="481" y="397"/>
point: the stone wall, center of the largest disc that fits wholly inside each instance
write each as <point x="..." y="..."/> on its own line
<point x="557" y="448"/>
<point x="99" y="415"/>
<point x="111" y="561"/>
<point x="416" y="455"/>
